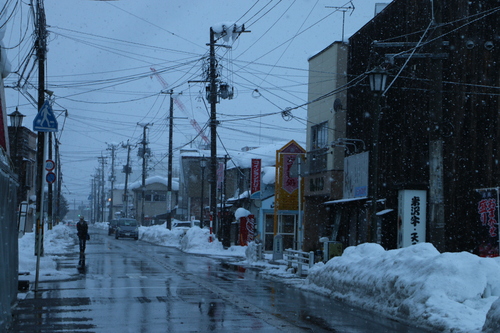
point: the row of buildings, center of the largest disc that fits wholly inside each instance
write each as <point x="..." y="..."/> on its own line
<point x="411" y="161"/>
<point x="414" y="160"/>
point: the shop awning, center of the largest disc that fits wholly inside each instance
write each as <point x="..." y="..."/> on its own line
<point x="385" y="211"/>
<point x="339" y="201"/>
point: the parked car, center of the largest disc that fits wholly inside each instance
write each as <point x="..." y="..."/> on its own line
<point x="112" y="227"/>
<point x="127" y="228"/>
<point x="185" y="225"/>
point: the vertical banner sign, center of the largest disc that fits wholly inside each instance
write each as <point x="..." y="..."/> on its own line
<point x="290" y="184"/>
<point x="286" y="186"/>
<point x="412" y="212"/>
<point x="255" y="178"/>
<point x="487" y="209"/>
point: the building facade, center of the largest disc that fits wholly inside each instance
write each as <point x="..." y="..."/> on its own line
<point x="326" y="141"/>
<point x="438" y="118"/>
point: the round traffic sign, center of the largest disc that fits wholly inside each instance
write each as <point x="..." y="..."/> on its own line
<point x="50" y="177"/>
<point x="49" y="165"/>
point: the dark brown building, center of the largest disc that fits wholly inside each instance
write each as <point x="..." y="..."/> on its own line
<point x="439" y="124"/>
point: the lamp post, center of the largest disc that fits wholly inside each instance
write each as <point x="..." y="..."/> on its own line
<point x="16" y="121"/>
<point x="203" y="165"/>
<point x="378" y="79"/>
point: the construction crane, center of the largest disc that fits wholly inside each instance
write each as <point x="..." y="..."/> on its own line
<point x="181" y="106"/>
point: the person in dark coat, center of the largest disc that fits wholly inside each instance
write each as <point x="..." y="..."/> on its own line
<point x="83" y="232"/>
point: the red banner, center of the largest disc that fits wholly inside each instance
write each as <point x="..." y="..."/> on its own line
<point x="255" y="176"/>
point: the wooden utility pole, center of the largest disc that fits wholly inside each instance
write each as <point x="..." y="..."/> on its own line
<point x="213" y="132"/>
<point x="170" y="152"/>
<point x="436" y="187"/>
<point x="144" y="155"/>
<point x="58" y="183"/>
<point x="102" y="197"/>
<point x="41" y="50"/>
<point x="112" y="180"/>
<point x="127" y="171"/>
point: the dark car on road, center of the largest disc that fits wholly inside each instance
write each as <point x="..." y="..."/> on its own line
<point x="112" y="227"/>
<point x="127" y="228"/>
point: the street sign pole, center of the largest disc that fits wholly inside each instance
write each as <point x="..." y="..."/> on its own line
<point x="39" y="221"/>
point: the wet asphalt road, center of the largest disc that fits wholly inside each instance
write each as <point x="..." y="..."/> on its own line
<point x="133" y="286"/>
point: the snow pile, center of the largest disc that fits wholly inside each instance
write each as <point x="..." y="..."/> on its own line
<point x="197" y="240"/>
<point x="268" y="175"/>
<point x="492" y="324"/>
<point x="159" y="234"/>
<point x="57" y="241"/>
<point x="449" y="291"/>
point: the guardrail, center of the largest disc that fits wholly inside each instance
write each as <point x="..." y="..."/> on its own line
<point x="299" y="258"/>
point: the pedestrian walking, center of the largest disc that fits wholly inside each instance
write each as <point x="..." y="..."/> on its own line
<point x="83" y="233"/>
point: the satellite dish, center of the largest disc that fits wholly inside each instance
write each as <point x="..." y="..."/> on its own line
<point x="337" y="105"/>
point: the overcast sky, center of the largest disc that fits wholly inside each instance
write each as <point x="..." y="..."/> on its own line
<point x="98" y="66"/>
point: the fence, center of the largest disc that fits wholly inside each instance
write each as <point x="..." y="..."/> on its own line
<point x="8" y="241"/>
<point x="299" y="258"/>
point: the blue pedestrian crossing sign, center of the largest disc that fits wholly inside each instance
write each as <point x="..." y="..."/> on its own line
<point x="45" y="121"/>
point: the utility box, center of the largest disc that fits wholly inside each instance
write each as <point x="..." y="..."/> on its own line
<point x="332" y="249"/>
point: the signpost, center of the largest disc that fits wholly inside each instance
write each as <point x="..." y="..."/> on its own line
<point x="44" y="121"/>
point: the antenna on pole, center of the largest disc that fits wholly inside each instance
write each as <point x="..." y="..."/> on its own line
<point x="343" y="9"/>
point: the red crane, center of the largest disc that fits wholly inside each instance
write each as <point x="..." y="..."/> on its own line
<point x="181" y="106"/>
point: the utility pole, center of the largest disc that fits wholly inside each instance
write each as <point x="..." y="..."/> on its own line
<point x="92" y="194"/>
<point x="102" y="197"/>
<point x="58" y="183"/>
<point x="213" y="132"/>
<point x="144" y="154"/>
<point x="50" y="190"/>
<point x="112" y="180"/>
<point x="170" y="152"/>
<point x="127" y="170"/>
<point x="41" y="50"/>
<point x="436" y="188"/>
<point x="213" y="99"/>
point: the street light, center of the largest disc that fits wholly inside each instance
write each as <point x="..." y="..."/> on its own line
<point x="16" y="119"/>
<point x="203" y="165"/>
<point x="378" y="79"/>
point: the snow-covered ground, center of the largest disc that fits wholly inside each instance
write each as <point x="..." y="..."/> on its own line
<point x="449" y="292"/>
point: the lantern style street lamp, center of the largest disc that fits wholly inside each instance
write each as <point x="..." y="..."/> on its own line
<point x="203" y="165"/>
<point x="378" y="79"/>
<point x="16" y="119"/>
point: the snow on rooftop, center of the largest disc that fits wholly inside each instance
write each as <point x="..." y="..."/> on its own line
<point x="243" y="159"/>
<point x="268" y="175"/>
<point x="152" y="180"/>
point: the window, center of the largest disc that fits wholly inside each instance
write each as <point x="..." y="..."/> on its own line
<point x="155" y="196"/>
<point x="319" y="136"/>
